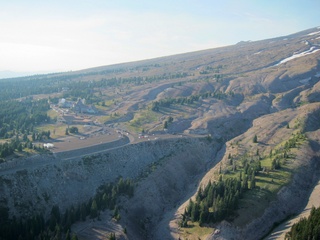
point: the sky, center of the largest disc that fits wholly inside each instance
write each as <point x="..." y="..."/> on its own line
<point x="67" y="35"/>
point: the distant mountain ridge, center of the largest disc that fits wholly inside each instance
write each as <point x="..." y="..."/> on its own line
<point x="13" y="74"/>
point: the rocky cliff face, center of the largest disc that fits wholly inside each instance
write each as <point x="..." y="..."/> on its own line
<point x="40" y="183"/>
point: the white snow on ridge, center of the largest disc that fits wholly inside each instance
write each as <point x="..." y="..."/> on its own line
<point x="298" y="55"/>
<point x="313" y="33"/>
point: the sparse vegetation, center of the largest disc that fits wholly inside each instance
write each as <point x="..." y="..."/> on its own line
<point x="239" y="182"/>
<point x="58" y="225"/>
<point x="217" y="93"/>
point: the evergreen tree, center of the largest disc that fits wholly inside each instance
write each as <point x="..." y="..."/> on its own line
<point x="255" y="139"/>
<point x="195" y="212"/>
<point x="112" y="236"/>
<point x="245" y="182"/>
<point x="94" y="209"/>
<point x="253" y="183"/>
<point x="306" y="228"/>
<point x="68" y="237"/>
<point x="74" y="237"/>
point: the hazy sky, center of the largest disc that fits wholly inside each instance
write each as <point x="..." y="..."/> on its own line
<point x="70" y="35"/>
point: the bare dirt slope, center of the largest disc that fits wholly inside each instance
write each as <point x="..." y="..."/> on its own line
<point x="280" y="231"/>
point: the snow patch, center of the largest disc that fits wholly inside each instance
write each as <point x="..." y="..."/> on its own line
<point x="313" y="33"/>
<point x="298" y="55"/>
<point x="257" y="53"/>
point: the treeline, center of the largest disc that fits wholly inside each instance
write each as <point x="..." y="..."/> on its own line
<point x="219" y="200"/>
<point x="17" y="122"/>
<point x="88" y="90"/>
<point x="280" y="155"/>
<point x="18" y="144"/>
<point x="21" y="117"/>
<point x="167" y="102"/>
<point x="8" y="148"/>
<point x="58" y="225"/>
<point x="51" y="83"/>
<point x="306" y="228"/>
<point x="114" y="82"/>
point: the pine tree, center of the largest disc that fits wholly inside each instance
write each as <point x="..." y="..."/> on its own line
<point x="74" y="237"/>
<point x="112" y="236"/>
<point x="245" y="183"/>
<point x="255" y="139"/>
<point x="253" y="183"/>
<point x="68" y="237"/>
<point x="165" y="125"/>
<point x="195" y="212"/>
<point x="94" y="209"/>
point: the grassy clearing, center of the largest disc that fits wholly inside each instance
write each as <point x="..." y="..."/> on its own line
<point x="101" y="108"/>
<point x="109" y="103"/>
<point x="52" y="114"/>
<point x="270" y="180"/>
<point x="195" y="232"/>
<point x="252" y="205"/>
<point x="181" y="110"/>
<point x="57" y="131"/>
<point x="104" y="119"/>
<point x="255" y="201"/>
<point x="143" y="118"/>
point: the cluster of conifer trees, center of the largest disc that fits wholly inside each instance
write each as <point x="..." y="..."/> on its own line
<point x="17" y="121"/>
<point x="215" y="202"/>
<point x="167" y="102"/>
<point x="47" y="84"/>
<point x="21" y="117"/>
<point x="306" y="228"/>
<point x="219" y="200"/>
<point x="58" y="225"/>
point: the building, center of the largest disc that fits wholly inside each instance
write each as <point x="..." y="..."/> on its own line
<point x="63" y="103"/>
<point x="81" y="107"/>
<point x="48" y="145"/>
